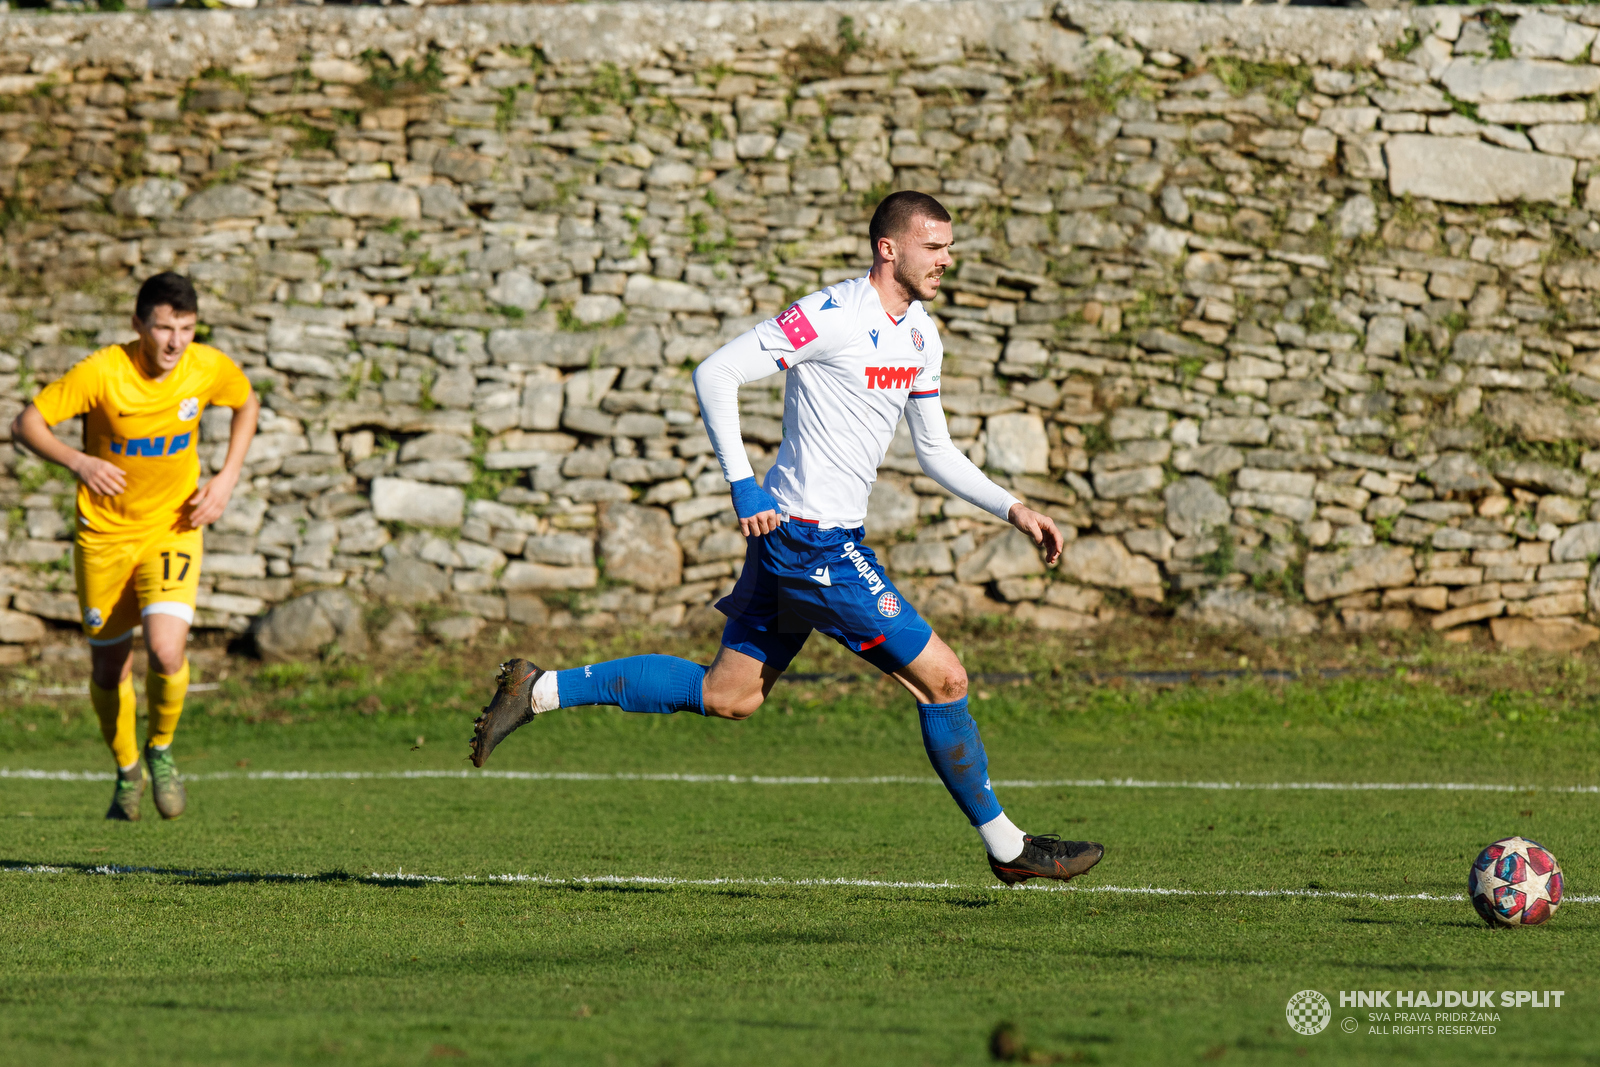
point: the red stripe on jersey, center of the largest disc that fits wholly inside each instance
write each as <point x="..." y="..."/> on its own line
<point x="781" y="362"/>
<point x="924" y="396"/>
<point x="874" y="643"/>
<point x="808" y="522"/>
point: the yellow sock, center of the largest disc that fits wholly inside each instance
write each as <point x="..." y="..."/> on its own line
<point x="166" y="693"/>
<point x="115" y="709"/>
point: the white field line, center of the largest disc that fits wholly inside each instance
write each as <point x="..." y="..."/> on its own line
<point x="31" y="774"/>
<point x="402" y="877"/>
<point x="83" y="690"/>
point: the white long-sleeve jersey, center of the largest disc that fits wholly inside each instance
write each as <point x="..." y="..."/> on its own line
<point x="853" y="371"/>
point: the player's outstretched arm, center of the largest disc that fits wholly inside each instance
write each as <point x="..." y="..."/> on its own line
<point x="211" y="499"/>
<point x="946" y="464"/>
<point x="100" y="476"/>
<point x="1042" y="528"/>
<point x="716" y="384"/>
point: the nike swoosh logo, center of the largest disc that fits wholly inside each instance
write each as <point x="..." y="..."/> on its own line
<point x="822" y="577"/>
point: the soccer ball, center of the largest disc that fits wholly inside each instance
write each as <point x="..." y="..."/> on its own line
<point x="1515" y="882"/>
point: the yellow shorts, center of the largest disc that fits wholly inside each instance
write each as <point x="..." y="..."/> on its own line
<point x="123" y="579"/>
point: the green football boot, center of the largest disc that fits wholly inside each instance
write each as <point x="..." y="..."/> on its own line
<point x="166" y="787"/>
<point x="125" y="800"/>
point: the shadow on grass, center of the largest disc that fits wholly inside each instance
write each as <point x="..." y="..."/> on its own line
<point x="193" y="876"/>
<point x="829" y="1027"/>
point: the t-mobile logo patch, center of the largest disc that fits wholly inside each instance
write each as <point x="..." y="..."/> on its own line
<point x="891" y="377"/>
<point x="796" y="327"/>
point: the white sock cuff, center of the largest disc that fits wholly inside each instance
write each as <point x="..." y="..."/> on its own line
<point x="1002" y="838"/>
<point x="544" y="696"/>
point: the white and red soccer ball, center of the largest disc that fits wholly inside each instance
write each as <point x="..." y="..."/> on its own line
<point x="1515" y="882"/>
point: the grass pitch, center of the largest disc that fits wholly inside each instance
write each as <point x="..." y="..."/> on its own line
<point x="692" y="921"/>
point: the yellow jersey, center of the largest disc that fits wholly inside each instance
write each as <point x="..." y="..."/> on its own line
<point x="150" y="429"/>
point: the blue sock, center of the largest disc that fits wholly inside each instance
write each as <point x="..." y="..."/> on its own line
<point x="659" y="685"/>
<point x="956" y="750"/>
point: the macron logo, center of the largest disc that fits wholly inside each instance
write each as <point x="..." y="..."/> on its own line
<point x="891" y="377"/>
<point x="822" y="577"/>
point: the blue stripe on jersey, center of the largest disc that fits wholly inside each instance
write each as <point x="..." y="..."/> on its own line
<point x="780" y="361"/>
<point x="924" y="396"/>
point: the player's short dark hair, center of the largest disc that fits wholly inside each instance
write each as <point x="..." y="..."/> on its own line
<point x="897" y="211"/>
<point x="173" y="290"/>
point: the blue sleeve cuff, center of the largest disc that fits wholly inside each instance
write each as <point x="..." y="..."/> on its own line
<point x="750" y="500"/>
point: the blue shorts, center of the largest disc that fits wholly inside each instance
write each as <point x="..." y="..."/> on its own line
<point x="798" y="579"/>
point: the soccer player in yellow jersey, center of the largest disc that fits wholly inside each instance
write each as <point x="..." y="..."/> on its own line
<point x="137" y="557"/>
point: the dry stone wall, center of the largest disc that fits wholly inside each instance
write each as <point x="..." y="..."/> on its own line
<point x="1286" y="315"/>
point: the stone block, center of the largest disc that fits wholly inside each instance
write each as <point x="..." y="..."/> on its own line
<point x="1543" y="635"/>
<point x="417" y="503"/>
<point x="234" y="565"/>
<point x="700" y="507"/>
<point x="1128" y="424"/>
<point x="1106" y="561"/>
<point x="399" y="634"/>
<point x="458" y="629"/>
<point x="1120" y="485"/>
<point x="1579" y="140"/>
<point x="435" y="446"/>
<point x="639" y="547"/>
<point x="382" y="200"/>
<point x="1543" y="477"/>
<point x="226" y="201"/>
<point x="664" y="294"/>
<point x="1459" y="472"/>
<point x="527" y="610"/>
<point x="1579" y="542"/>
<point x="1540" y="36"/>
<point x="1081" y="599"/>
<point x="1487" y="609"/>
<point x="1337" y="574"/>
<point x="1359" y="621"/>
<point x="520" y="577"/>
<point x="891" y="508"/>
<point x="1246" y="609"/>
<point x="149" y="198"/>
<point x="1298" y="508"/>
<point x="18" y="628"/>
<point x="930" y="557"/>
<point x="305" y="625"/>
<point x="1460" y="171"/>
<point x="1236" y="431"/>
<point x="1045" y="617"/>
<point x="1548" y="606"/>
<point x="409" y="581"/>
<point x="1286" y="483"/>
<point x="1010" y="555"/>
<point x="1017" y="444"/>
<point x="1480" y="81"/>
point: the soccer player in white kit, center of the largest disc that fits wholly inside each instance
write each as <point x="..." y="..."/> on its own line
<point x="860" y="354"/>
